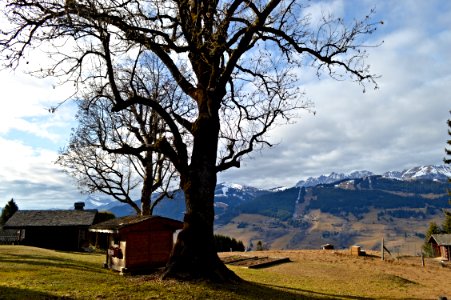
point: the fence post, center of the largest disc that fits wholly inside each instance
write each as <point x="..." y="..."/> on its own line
<point x="382" y="248"/>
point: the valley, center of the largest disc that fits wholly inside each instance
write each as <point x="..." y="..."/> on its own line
<point x="342" y="210"/>
<point x="358" y="211"/>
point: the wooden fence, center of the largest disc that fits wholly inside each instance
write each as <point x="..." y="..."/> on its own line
<point x="9" y="237"/>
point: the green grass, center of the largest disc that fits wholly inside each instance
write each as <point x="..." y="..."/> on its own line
<point x="34" y="273"/>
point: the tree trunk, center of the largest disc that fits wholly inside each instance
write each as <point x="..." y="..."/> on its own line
<point x="146" y="192"/>
<point x="194" y="255"/>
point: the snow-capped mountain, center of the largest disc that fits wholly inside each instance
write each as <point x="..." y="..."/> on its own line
<point x="229" y="195"/>
<point x="332" y="177"/>
<point x="440" y="172"/>
<point x="226" y="192"/>
<point x="99" y="202"/>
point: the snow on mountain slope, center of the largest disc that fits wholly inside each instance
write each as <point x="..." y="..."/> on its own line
<point x="236" y="190"/>
<point x="439" y="172"/>
<point x="230" y="194"/>
<point x="332" y="177"/>
<point x="98" y="202"/>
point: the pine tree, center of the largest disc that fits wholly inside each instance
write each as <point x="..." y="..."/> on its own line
<point x="446" y="225"/>
<point x="225" y="244"/>
<point x="433" y="229"/>
<point x="7" y="212"/>
<point x="447" y="159"/>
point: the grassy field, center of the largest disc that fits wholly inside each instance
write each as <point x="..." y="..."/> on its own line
<point x="33" y="273"/>
<point x="400" y="233"/>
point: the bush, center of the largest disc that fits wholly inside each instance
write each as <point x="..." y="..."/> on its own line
<point x="225" y="244"/>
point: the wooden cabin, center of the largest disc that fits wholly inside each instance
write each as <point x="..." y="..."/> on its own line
<point x="138" y="243"/>
<point x="441" y="245"/>
<point x="53" y="229"/>
<point x="327" y="247"/>
<point x="357" y="251"/>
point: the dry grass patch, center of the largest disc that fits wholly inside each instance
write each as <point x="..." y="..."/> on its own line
<point x="33" y="273"/>
<point x="339" y="275"/>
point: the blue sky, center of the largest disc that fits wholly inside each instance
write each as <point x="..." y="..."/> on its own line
<point x="400" y="125"/>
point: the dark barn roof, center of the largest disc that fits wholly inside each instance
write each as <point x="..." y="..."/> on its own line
<point x="441" y="239"/>
<point x="115" y="225"/>
<point x="51" y="218"/>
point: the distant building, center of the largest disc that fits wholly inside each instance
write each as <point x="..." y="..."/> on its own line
<point x="53" y="229"/>
<point x="441" y="245"/>
<point x="327" y="247"/>
<point x="138" y="243"/>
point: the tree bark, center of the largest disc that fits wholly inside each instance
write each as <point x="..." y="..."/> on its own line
<point x="146" y="192"/>
<point x="194" y="255"/>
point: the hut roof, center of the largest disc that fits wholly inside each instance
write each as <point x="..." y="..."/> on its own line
<point x="441" y="239"/>
<point x="114" y="225"/>
<point x="51" y="218"/>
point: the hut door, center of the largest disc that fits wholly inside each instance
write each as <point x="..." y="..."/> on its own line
<point x="81" y="238"/>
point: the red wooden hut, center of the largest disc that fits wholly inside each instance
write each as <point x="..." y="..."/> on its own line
<point x="441" y="245"/>
<point x="138" y="243"/>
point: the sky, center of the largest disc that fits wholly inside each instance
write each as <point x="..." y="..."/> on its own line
<point x="400" y="125"/>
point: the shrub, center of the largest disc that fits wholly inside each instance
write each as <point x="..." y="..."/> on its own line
<point x="224" y="244"/>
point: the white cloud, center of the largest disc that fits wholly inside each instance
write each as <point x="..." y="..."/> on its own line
<point x="398" y="126"/>
<point x="25" y="104"/>
<point x="29" y="138"/>
<point x="319" y="9"/>
<point x="29" y="175"/>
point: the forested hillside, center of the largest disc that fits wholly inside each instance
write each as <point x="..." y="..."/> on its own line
<point x="358" y="211"/>
<point x="345" y="212"/>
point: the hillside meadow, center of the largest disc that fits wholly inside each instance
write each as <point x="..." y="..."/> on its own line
<point x="34" y="273"/>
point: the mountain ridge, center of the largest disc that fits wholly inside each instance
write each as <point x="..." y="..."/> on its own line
<point x="348" y="211"/>
<point x="431" y="172"/>
<point x="226" y="192"/>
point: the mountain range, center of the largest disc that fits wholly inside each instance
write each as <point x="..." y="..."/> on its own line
<point x="230" y="193"/>
<point x="341" y="209"/>
<point x="439" y="172"/>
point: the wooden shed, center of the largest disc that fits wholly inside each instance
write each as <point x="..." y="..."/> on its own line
<point x="138" y="243"/>
<point x="441" y="245"/>
<point x="357" y="251"/>
<point x="53" y="229"/>
<point x="327" y="247"/>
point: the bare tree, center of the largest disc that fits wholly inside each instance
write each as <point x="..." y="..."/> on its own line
<point x="117" y="175"/>
<point x="237" y="62"/>
<point x="91" y="155"/>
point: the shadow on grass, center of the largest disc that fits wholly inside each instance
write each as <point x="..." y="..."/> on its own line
<point x="49" y="261"/>
<point x="318" y="294"/>
<point x="252" y="290"/>
<point x="18" y="293"/>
